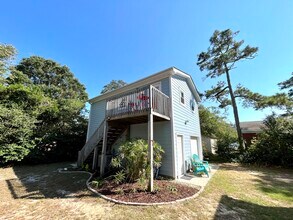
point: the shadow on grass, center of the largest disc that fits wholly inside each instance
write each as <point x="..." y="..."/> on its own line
<point x="274" y="182"/>
<point x="276" y="186"/>
<point x="44" y="181"/>
<point x="231" y="208"/>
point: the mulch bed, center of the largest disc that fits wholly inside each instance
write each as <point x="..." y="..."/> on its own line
<point x="164" y="191"/>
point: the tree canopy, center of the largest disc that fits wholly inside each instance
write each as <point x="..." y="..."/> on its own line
<point x="212" y="124"/>
<point x="224" y="52"/>
<point x="43" y="103"/>
<point x="113" y="85"/>
<point x="220" y="58"/>
<point x="16" y="127"/>
<point x="273" y="145"/>
<point x="7" y="53"/>
<point x="288" y="84"/>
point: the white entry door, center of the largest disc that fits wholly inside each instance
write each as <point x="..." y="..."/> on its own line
<point x="194" y="146"/>
<point x="180" y="158"/>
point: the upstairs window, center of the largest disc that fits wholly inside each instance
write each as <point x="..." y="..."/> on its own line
<point x="192" y="105"/>
<point x="182" y="98"/>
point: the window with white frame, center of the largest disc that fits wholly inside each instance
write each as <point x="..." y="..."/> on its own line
<point x="182" y="101"/>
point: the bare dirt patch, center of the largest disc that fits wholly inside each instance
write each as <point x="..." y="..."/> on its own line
<point x="164" y="191"/>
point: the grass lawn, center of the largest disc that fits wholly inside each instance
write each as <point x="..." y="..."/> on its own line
<point x="234" y="192"/>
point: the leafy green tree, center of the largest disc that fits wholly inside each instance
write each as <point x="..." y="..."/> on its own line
<point x="61" y="114"/>
<point x="257" y="101"/>
<point x="19" y="91"/>
<point x="288" y="84"/>
<point x="220" y="58"/>
<point x="113" y="85"/>
<point x="16" y="124"/>
<point x="42" y="109"/>
<point x="7" y="53"/>
<point x="16" y="128"/>
<point x="57" y="81"/>
<point x="25" y="102"/>
<point x="213" y="125"/>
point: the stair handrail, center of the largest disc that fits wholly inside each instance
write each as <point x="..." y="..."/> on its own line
<point x="91" y="143"/>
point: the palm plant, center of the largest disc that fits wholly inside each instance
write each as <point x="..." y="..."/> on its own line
<point x="132" y="159"/>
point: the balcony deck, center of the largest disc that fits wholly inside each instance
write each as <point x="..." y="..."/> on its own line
<point x="134" y="107"/>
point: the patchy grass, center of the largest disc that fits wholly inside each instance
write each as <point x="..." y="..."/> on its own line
<point x="234" y="192"/>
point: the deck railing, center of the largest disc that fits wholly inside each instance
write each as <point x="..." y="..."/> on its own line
<point x="138" y="102"/>
<point x="160" y="102"/>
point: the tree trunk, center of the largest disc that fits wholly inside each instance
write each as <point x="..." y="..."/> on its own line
<point x="235" y="111"/>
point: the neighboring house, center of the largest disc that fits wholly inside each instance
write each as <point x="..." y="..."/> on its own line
<point x="210" y="144"/>
<point x="163" y="105"/>
<point x="250" y="129"/>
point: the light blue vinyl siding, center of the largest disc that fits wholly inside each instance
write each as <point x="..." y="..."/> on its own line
<point x="97" y="115"/>
<point x="185" y="121"/>
<point x="165" y="86"/>
<point x="162" y="135"/>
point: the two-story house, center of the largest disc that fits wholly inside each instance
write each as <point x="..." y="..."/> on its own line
<point x="161" y="107"/>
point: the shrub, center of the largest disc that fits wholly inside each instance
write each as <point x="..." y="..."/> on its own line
<point x="133" y="159"/>
<point x="119" y="177"/>
<point x="274" y="146"/>
<point x="227" y="149"/>
<point x="97" y="182"/>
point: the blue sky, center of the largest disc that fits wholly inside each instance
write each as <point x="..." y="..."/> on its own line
<point x="105" y="40"/>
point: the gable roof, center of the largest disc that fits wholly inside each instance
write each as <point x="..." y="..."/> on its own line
<point x="149" y="80"/>
<point x="251" y="126"/>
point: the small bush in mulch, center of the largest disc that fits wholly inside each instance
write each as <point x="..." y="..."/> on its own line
<point x="164" y="191"/>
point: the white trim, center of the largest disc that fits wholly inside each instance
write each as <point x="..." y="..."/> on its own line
<point x="180" y="93"/>
<point x="172" y="129"/>
<point x="183" y="157"/>
<point x="200" y="150"/>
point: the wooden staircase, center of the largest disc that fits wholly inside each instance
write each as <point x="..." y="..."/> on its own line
<point x="94" y="145"/>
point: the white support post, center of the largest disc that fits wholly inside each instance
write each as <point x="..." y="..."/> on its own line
<point x="150" y="142"/>
<point x="102" y="166"/>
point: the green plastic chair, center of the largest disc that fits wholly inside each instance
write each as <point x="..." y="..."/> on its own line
<point x="205" y="163"/>
<point x="199" y="168"/>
